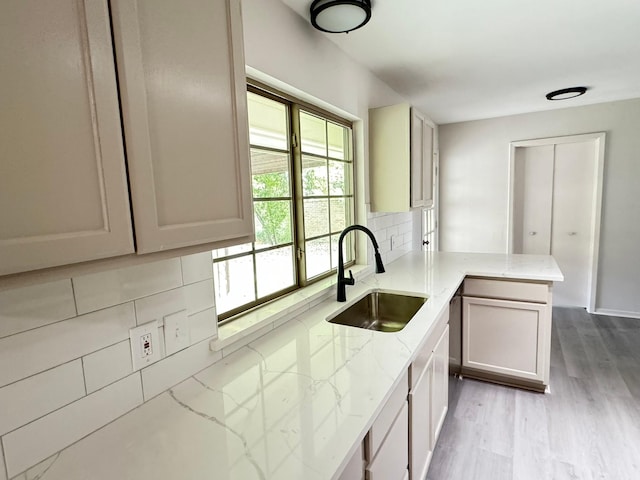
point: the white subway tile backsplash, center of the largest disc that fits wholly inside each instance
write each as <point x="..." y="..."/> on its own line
<point x="31" y="352"/>
<point x="203" y="325"/>
<point x="38" y="440"/>
<point x="196" y="267"/>
<point x="172" y="370"/>
<point x="34" y="306"/>
<point x="156" y="307"/>
<point x="200" y="296"/>
<point x="24" y="401"/>
<point x="107" y="365"/>
<point x="100" y="290"/>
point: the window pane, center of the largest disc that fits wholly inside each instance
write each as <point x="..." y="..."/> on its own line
<point x="340" y="214"/>
<point x="267" y="122"/>
<point x="270" y="174"/>
<point x="316" y="217"/>
<point x="336" y="135"/>
<point x="340" y="178"/>
<point x="228" y="251"/>
<point x="274" y="269"/>
<point x="273" y="222"/>
<point x="314" y="176"/>
<point x="234" y="280"/>
<point x="318" y="256"/>
<point x="313" y="134"/>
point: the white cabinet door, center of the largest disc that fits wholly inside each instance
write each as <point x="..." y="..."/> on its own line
<point x="421" y="160"/>
<point x="63" y="188"/>
<point x="420" y="436"/>
<point x="390" y="463"/>
<point x="182" y="80"/>
<point x="504" y="337"/>
<point x="440" y="389"/>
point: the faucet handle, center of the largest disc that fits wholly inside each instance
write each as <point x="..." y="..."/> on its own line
<point x="350" y="280"/>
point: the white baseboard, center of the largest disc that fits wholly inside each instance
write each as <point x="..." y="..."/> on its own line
<point x="616" y="313"/>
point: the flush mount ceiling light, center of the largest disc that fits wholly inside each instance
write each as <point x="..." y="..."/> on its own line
<point x="566" y="93"/>
<point x="340" y="16"/>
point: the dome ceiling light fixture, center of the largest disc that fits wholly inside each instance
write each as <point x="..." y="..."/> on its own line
<point x="566" y="93"/>
<point x="340" y="16"/>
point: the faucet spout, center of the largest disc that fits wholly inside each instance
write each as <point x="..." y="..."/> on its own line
<point x="342" y="280"/>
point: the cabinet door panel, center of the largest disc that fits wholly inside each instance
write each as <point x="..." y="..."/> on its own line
<point x="421" y="161"/>
<point x="420" y="439"/>
<point x="504" y="337"/>
<point x="63" y="187"/>
<point x="181" y="70"/>
<point x="440" y="396"/>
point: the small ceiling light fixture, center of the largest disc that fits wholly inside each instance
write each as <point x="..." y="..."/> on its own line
<point x="566" y="93"/>
<point x="340" y="16"/>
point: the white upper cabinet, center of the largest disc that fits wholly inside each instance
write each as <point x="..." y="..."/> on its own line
<point x="400" y="158"/>
<point x="63" y="187"/>
<point x="183" y="87"/>
<point x="64" y="191"/>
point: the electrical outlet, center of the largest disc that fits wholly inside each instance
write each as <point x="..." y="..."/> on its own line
<point x="176" y="332"/>
<point x="145" y="345"/>
<point x="395" y="242"/>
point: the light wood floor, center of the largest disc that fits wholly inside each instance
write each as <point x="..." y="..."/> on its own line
<point x="586" y="428"/>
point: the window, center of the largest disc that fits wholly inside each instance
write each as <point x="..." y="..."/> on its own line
<point x="302" y="179"/>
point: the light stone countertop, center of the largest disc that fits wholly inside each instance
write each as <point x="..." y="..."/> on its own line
<point x="293" y="404"/>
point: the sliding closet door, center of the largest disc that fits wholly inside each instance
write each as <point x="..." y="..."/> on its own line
<point x="574" y="181"/>
<point x="553" y="211"/>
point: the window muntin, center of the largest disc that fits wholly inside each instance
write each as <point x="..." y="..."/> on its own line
<point x="302" y="180"/>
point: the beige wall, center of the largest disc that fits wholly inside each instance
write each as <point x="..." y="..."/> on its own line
<point x="474" y="161"/>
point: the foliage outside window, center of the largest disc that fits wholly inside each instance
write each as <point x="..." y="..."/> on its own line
<point x="302" y="179"/>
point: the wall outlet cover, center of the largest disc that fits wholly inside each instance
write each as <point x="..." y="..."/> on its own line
<point x="145" y="345"/>
<point x="176" y="332"/>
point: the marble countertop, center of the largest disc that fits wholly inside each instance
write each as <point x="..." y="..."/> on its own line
<point x="293" y="404"/>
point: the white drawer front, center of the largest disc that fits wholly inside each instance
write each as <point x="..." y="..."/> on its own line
<point x="507" y="290"/>
<point x="381" y="426"/>
<point x="392" y="459"/>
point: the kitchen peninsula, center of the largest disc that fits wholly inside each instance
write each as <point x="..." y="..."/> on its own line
<point x="295" y="403"/>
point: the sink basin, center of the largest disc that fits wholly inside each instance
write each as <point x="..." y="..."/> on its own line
<point x="380" y="311"/>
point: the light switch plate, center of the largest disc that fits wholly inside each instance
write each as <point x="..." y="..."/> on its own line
<point x="176" y="332"/>
<point x="145" y="345"/>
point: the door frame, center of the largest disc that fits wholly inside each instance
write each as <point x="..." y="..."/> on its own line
<point x="599" y="139"/>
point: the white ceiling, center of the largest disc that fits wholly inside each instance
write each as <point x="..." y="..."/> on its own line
<point x="461" y="60"/>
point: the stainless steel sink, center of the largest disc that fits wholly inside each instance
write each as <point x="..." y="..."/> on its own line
<point x="380" y="311"/>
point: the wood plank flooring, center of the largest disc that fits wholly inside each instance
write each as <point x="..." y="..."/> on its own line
<point x="586" y="428"/>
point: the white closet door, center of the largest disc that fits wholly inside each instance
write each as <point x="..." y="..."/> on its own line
<point x="534" y="199"/>
<point x="573" y="210"/>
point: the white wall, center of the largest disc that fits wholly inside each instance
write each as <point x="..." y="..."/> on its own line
<point x="474" y="161"/>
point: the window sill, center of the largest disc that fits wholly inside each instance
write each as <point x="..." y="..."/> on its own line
<point x="258" y="322"/>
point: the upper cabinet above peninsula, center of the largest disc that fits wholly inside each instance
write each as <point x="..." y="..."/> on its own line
<point x="401" y="150"/>
<point x="177" y="82"/>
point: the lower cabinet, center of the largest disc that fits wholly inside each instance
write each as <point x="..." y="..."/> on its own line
<point x="506" y="331"/>
<point x="428" y="405"/>
<point x="401" y="440"/>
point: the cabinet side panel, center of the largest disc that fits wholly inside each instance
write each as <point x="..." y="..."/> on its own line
<point x="389" y="158"/>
